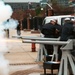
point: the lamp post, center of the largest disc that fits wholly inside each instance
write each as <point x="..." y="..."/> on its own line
<point x="47" y="4"/>
<point x="49" y="12"/>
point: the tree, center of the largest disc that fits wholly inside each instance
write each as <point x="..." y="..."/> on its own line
<point x="38" y="10"/>
<point x="18" y="14"/>
<point x="61" y="9"/>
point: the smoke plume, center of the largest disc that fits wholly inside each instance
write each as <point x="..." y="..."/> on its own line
<point x="5" y="23"/>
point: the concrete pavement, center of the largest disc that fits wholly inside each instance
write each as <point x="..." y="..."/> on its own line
<point x="20" y="56"/>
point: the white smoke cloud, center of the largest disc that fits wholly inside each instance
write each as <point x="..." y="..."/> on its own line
<point x="5" y="23"/>
<point x="5" y="14"/>
<point x="5" y="11"/>
<point x="4" y="64"/>
<point x="10" y="24"/>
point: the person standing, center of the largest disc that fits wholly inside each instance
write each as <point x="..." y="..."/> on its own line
<point x="67" y="33"/>
<point x="19" y="29"/>
<point x="48" y="30"/>
<point x="67" y="30"/>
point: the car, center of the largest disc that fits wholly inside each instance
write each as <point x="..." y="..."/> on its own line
<point x="60" y="19"/>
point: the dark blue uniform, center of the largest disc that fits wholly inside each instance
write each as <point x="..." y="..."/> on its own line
<point x="67" y="31"/>
<point x="48" y="30"/>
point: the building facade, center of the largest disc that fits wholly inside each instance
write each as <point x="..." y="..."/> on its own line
<point x="60" y="2"/>
<point x="22" y="4"/>
<point x="63" y="2"/>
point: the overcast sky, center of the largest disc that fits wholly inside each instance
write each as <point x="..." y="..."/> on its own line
<point x="21" y="0"/>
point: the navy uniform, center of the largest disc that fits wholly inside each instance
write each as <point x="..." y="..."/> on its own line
<point x="48" y="30"/>
<point x="67" y="33"/>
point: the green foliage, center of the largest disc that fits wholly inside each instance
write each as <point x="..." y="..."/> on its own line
<point x="38" y="10"/>
<point x="54" y="1"/>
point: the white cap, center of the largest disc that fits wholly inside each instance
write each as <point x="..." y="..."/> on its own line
<point x="53" y="20"/>
<point x="72" y="19"/>
<point x="67" y="19"/>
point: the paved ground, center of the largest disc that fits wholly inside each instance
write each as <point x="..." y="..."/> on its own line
<point x="20" y="55"/>
<point x="22" y="61"/>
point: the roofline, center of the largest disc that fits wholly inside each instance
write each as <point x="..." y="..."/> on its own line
<point x="20" y="1"/>
<point x="59" y="16"/>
